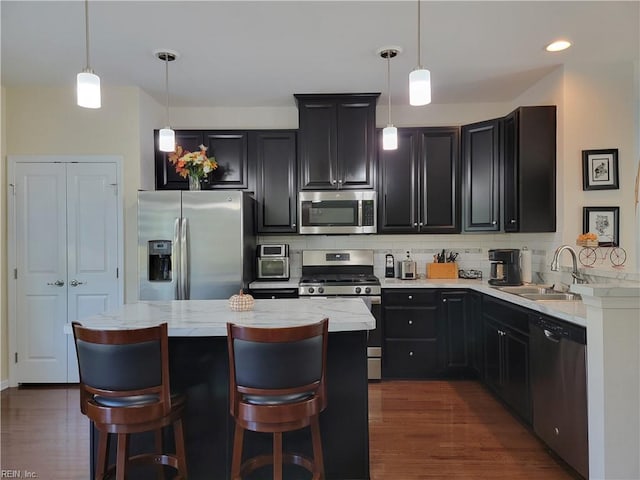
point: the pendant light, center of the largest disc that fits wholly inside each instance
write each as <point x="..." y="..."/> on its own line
<point x="166" y="136"/>
<point x="87" y="82"/>
<point x="389" y="133"/>
<point x="419" y="79"/>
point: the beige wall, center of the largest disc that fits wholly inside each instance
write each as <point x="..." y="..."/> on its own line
<point x="594" y="111"/>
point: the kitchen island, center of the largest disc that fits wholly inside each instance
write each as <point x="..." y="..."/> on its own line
<point x="199" y="368"/>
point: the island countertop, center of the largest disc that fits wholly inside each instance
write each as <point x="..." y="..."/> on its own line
<point x="208" y="318"/>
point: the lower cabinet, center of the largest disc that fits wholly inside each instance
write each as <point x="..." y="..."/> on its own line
<point x="506" y="354"/>
<point x="456" y="345"/>
<point x="410" y="326"/>
<point x="428" y="333"/>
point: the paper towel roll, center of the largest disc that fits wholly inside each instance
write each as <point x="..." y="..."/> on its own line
<point x="525" y="264"/>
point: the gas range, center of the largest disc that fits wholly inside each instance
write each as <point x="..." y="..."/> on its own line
<point x="338" y="273"/>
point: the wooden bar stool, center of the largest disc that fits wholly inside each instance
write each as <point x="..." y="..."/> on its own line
<point x="277" y="384"/>
<point x="124" y="389"/>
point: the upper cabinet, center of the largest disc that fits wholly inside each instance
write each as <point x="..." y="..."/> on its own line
<point x="509" y="167"/>
<point x="419" y="186"/>
<point x="229" y="147"/>
<point x="274" y="152"/>
<point x="529" y="156"/>
<point x="481" y="176"/>
<point x="336" y="141"/>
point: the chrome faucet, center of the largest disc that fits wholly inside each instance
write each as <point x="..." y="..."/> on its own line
<point x="577" y="278"/>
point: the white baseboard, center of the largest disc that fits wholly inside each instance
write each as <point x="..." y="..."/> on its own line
<point x="4" y="384"/>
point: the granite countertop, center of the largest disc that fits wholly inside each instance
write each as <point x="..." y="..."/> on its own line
<point x="571" y="311"/>
<point x="208" y="318"/>
<point x="568" y="310"/>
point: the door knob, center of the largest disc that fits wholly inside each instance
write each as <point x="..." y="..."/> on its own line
<point x="75" y="283"/>
<point x="57" y="283"/>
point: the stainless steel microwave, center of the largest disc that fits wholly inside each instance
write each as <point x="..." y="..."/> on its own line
<point x="337" y="212"/>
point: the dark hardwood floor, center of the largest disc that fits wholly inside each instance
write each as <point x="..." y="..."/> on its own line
<point x="418" y="430"/>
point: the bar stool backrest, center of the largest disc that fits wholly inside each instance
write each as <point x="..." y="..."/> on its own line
<point x="123" y="368"/>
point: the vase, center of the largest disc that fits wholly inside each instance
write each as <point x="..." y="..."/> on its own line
<point x="194" y="182"/>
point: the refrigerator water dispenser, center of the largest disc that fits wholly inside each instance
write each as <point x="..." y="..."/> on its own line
<point x="160" y="261"/>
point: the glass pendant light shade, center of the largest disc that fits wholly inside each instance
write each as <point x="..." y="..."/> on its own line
<point x="420" y="87"/>
<point x="167" y="140"/>
<point x="390" y="138"/>
<point x="88" y="84"/>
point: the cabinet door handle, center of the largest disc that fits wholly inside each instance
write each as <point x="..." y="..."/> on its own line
<point x="411" y="354"/>
<point x="444" y="299"/>
<point x="57" y="283"/>
<point x="415" y="224"/>
<point x="421" y="224"/>
<point x="340" y="182"/>
<point x="333" y="182"/>
<point x="410" y="322"/>
<point x="494" y="222"/>
<point x="410" y="297"/>
<point x="75" y="283"/>
<point x="293" y="225"/>
<point x="513" y="220"/>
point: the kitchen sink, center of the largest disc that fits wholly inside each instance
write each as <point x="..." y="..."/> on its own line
<point x="551" y="296"/>
<point x="528" y="289"/>
<point x="540" y="292"/>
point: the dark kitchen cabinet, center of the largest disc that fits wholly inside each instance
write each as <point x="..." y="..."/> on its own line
<point x="410" y="333"/>
<point x="274" y="153"/>
<point x="166" y="176"/>
<point x="529" y="160"/>
<point x="419" y="186"/>
<point x="506" y="354"/>
<point x="336" y="141"/>
<point x="481" y="176"/>
<point x="457" y="329"/>
<point x="229" y="147"/>
<point x="474" y="300"/>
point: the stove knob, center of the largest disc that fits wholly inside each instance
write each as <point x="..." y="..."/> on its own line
<point x="367" y="290"/>
<point x="320" y="289"/>
<point x="358" y="289"/>
<point x="311" y="289"/>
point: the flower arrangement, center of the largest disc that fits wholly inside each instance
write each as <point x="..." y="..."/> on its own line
<point x="195" y="164"/>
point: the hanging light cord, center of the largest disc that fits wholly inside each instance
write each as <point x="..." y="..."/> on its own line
<point x="419" y="62"/>
<point x="86" y="30"/>
<point x="389" y="82"/>
<point x="166" y="83"/>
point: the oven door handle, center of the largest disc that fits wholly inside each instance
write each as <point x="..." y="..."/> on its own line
<point x="375" y="300"/>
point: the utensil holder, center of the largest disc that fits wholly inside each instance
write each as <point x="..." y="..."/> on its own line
<point x="442" y="270"/>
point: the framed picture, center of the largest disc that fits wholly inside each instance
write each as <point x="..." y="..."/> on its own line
<point x="600" y="169"/>
<point x="604" y="222"/>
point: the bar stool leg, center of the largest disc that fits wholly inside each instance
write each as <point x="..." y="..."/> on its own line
<point x="122" y="455"/>
<point x="178" y="434"/>
<point x="103" y="448"/>
<point x="236" y="461"/>
<point x="277" y="456"/>
<point x="159" y="450"/>
<point x="318" y="459"/>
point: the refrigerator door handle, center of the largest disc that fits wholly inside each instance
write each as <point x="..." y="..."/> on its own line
<point x="184" y="258"/>
<point x="175" y="255"/>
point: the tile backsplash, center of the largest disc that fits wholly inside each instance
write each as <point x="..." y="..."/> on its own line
<point x="472" y="249"/>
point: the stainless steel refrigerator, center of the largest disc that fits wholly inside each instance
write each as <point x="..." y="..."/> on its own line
<point x="195" y="245"/>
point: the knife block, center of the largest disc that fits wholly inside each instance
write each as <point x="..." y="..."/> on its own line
<point x="442" y="270"/>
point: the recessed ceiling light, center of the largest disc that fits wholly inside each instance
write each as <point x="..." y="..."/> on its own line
<point x="558" y="46"/>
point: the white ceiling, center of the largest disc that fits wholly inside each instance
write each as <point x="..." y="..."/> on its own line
<point x="237" y="53"/>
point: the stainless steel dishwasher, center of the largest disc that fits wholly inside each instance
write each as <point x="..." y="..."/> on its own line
<point x="558" y="353"/>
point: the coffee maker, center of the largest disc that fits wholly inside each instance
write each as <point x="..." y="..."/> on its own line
<point x="505" y="267"/>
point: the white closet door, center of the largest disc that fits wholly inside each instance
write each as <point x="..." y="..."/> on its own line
<point x="92" y="244"/>
<point x="41" y="260"/>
